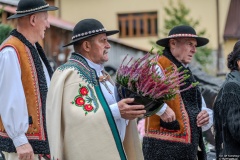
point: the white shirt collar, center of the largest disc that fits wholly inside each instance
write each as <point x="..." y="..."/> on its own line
<point x="185" y="65"/>
<point x="99" y="68"/>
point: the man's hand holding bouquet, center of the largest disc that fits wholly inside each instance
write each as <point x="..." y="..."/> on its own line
<point x="146" y="82"/>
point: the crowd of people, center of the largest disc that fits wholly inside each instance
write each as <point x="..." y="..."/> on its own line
<point x="75" y="113"/>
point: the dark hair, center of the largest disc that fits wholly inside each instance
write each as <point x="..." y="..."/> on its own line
<point x="233" y="57"/>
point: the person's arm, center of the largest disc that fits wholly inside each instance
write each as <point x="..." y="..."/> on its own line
<point x="114" y="107"/>
<point x="13" y="106"/>
<point x="162" y="110"/>
<point x="165" y="113"/>
<point x="122" y="109"/>
<point x="231" y="102"/>
<point x="130" y="112"/>
<point x="115" y="111"/>
<point x="233" y="117"/>
<point x="205" y="117"/>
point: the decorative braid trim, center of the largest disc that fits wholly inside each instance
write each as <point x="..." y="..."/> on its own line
<point x="34" y="9"/>
<point x="87" y="33"/>
<point x="182" y="35"/>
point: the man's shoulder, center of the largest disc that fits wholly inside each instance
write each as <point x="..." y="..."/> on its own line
<point x="71" y="65"/>
<point x="231" y="86"/>
<point x="11" y="42"/>
<point x="74" y="70"/>
<point x="7" y="48"/>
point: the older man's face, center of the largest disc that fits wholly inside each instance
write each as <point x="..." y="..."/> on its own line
<point x="99" y="49"/>
<point x="41" y="20"/>
<point x="183" y="49"/>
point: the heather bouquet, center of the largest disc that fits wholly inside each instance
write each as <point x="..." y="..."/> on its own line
<point x="145" y="81"/>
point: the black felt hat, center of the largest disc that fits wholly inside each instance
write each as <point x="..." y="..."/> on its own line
<point x="87" y="28"/>
<point x="27" y="7"/>
<point x="182" y="31"/>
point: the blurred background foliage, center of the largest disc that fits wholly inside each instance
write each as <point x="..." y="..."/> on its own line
<point x="4" y="31"/>
<point x="177" y="14"/>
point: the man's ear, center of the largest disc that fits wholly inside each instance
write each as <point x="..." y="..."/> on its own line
<point x="86" y="46"/>
<point x="32" y="19"/>
<point x="172" y="43"/>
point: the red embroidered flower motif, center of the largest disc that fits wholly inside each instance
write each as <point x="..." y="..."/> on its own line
<point x="79" y="101"/>
<point x="83" y="100"/>
<point x="88" y="107"/>
<point x="83" y="90"/>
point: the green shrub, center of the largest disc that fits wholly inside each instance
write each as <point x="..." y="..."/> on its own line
<point x="4" y="31"/>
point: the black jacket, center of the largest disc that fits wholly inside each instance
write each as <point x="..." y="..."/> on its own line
<point x="227" y="117"/>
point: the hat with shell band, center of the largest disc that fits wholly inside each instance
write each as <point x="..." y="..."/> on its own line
<point x="182" y="31"/>
<point x="27" y="7"/>
<point x="87" y="28"/>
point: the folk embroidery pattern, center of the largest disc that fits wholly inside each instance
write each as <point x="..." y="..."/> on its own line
<point x="81" y="71"/>
<point x="84" y="100"/>
<point x="94" y="99"/>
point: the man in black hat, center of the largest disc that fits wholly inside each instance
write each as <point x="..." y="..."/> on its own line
<point x="85" y="120"/>
<point x="175" y="132"/>
<point x="25" y="77"/>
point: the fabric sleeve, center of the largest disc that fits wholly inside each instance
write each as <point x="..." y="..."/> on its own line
<point x="232" y="109"/>
<point x="114" y="108"/>
<point x="233" y="118"/>
<point x="210" y="113"/>
<point x="13" y="108"/>
<point x="162" y="110"/>
<point x="115" y="111"/>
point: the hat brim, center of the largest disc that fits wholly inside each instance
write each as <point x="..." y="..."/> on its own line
<point x="18" y="15"/>
<point x="200" y="41"/>
<point x="108" y="33"/>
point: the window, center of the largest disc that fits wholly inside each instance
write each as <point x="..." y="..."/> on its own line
<point x="138" y="24"/>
